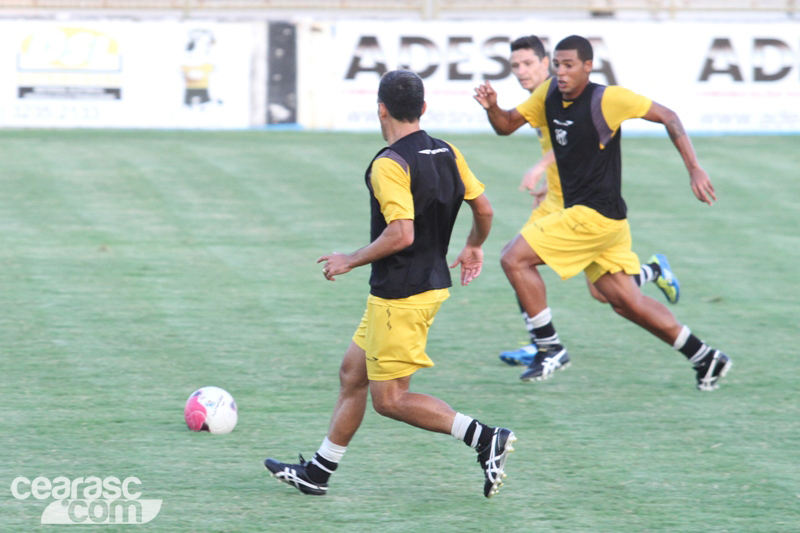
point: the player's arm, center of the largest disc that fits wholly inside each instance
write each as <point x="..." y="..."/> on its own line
<point x="504" y="121"/>
<point x="700" y="182"/>
<point x="391" y="184"/>
<point x="398" y="235"/>
<point x="471" y="256"/>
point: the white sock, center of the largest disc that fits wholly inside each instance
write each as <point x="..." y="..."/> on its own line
<point x="541" y="319"/>
<point x="460" y="425"/>
<point x="683" y="336"/>
<point x="330" y="451"/>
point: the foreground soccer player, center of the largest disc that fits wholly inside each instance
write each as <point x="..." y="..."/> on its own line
<point x="531" y="66"/>
<point x="592" y="232"/>
<point x="416" y="187"/>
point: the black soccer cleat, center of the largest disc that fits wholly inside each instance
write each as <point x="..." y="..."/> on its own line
<point x="493" y="460"/>
<point x="296" y="476"/>
<point x="711" y="368"/>
<point x="547" y="360"/>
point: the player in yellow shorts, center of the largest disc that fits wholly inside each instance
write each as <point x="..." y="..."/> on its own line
<point x="531" y="66"/>
<point x="417" y="185"/>
<point x="592" y="232"/>
<point x="394" y="333"/>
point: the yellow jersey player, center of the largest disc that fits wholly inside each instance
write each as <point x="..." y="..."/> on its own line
<point x="592" y="233"/>
<point x="416" y="187"/>
<point x="531" y="66"/>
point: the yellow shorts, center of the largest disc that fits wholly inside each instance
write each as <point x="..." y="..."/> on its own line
<point x="579" y="238"/>
<point x="551" y="204"/>
<point x="393" y="333"/>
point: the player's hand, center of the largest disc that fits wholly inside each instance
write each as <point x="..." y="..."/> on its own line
<point x="471" y="261"/>
<point x="533" y="183"/>
<point x="701" y="186"/>
<point x="539" y="194"/>
<point x="485" y="95"/>
<point x="335" y="264"/>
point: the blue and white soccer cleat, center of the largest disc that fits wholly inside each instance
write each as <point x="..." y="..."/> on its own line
<point x="523" y="356"/>
<point x="666" y="281"/>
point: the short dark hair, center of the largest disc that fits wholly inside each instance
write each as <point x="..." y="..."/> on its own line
<point x="531" y="42"/>
<point x="403" y="94"/>
<point x="578" y="43"/>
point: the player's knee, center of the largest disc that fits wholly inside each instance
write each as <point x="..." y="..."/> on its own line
<point x="599" y="297"/>
<point x="351" y="379"/>
<point x="385" y="405"/>
<point x="596" y="294"/>
<point x="508" y="261"/>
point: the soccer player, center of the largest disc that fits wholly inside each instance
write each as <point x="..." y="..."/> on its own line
<point x="531" y="66"/>
<point x="592" y="232"/>
<point x="416" y="187"/>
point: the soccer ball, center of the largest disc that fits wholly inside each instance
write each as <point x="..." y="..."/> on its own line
<point x="211" y="409"/>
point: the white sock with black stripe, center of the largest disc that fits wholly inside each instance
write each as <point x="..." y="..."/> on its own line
<point x="690" y="346"/>
<point x="470" y="431"/>
<point x="325" y="461"/>
<point x="542" y="328"/>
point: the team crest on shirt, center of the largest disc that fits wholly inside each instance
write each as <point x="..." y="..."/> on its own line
<point x="561" y="136"/>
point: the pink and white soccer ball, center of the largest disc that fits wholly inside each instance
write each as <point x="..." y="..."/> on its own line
<point x="211" y="409"/>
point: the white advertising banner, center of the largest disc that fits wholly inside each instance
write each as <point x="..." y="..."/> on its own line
<point x="126" y="74"/>
<point x="720" y="78"/>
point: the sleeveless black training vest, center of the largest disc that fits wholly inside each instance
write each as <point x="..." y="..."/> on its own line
<point x="590" y="176"/>
<point x="438" y="191"/>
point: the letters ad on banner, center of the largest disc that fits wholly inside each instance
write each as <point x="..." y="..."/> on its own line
<point x="719" y="78"/>
<point x="125" y="74"/>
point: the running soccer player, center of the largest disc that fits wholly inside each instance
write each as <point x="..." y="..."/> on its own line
<point x="592" y="233"/>
<point x="416" y="187"/>
<point x="531" y="66"/>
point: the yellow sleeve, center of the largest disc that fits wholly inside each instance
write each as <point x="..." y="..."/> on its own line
<point x="620" y="104"/>
<point x="533" y="108"/>
<point x="472" y="187"/>
<point x="391" y="185"/>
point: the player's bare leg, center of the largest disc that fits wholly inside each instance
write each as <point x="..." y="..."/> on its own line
<point x="627" y="300"/>
<point x="393" y="399"/>
<point x="520" y="262"/>
<point x="311" y="477"/>
<point x="596" y="294"/>
<point x="352" y="403"/>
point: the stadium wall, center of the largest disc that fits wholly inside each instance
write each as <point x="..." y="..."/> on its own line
<point x="131" y="74"/>
<point x="720" y="78"/>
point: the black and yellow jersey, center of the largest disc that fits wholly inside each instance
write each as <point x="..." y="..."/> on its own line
<point x="585" y="135"/>
<point x="423" y="179"/>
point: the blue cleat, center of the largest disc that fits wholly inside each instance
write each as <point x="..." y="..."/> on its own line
<point x="666" y="281"/>
<point x="523" y="356"/>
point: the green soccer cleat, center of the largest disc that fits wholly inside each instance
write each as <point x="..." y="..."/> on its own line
<point x="666" y="281"/>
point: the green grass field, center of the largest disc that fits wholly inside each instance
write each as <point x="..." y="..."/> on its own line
<point x="139" y="266"/>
